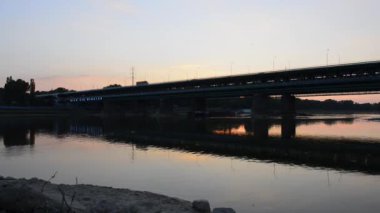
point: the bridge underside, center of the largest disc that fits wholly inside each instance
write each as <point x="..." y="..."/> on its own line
<point x="359" y="78"/>
<point x="164" y="101"/>
<point x="312" y="88"/>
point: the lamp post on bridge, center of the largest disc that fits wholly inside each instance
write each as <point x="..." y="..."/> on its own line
<point x="327" y="56"/>
<point x="133" y="75"/>
<point x="339" y="58"/>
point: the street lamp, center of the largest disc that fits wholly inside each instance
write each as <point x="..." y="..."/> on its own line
<point x="327" y="56"/>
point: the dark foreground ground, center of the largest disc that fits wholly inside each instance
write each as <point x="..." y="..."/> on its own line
<point x="34" y="195"/>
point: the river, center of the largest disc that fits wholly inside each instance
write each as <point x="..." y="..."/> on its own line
<point x="326" y="163"/>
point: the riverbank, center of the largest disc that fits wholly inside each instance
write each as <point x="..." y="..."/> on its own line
<point x="32" y="111"/>
<point x="40" y="111"/>
<point x="35" y="195"/>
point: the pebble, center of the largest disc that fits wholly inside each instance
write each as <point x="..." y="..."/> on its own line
<point x="202" y="206"/>
<point x="223" y="210"/>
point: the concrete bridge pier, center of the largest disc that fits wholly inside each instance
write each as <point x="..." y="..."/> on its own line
<point x="260" y="104"/>
<point x="288" y="105"/>
<point x="125" y="107"/>
<point x="199" y="106"/>
<point x="166" y="106"/>
<point x="110" y="107"/>
<point x="141" y="107"/>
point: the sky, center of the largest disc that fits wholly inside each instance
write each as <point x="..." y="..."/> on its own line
<point x="88" y="44"/>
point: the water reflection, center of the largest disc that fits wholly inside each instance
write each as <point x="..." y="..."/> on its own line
<point x="223" y="160"/>
<point x="241" y="138"/>
<point x="17" y="134"/>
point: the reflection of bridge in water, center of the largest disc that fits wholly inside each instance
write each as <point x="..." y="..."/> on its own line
<point x="200" y="137"/>
<point x="259" y="128"/>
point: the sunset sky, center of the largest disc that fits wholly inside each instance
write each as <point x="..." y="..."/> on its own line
<point x="88" y="44"/>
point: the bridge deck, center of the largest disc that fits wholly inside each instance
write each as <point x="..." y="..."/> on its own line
<point x="346" y="78"/>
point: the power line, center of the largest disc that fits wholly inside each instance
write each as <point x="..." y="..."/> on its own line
<point x="133" y="75"/>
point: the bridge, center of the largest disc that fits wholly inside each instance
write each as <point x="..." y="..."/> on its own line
<point x="354" y="78"/>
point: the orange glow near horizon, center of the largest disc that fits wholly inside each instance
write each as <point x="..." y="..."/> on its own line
<point x="233" y="131"/>
<point x="365" y="98"/>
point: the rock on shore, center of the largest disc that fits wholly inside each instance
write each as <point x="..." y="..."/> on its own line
<point x="34" y="195"/>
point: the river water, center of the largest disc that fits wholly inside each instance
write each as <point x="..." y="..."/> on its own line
<point x="320" y="163"/>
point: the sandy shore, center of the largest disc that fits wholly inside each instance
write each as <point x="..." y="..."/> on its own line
<point x="34" y="195"/>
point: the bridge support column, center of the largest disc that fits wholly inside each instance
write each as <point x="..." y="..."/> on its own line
<point x="288" y="104"/>
<point x="166" y="106"/>
<point x="111" y="107"/>
<point x="135" y="107"/>
<point x="260" y="104"/>
<point x="141" y="107"/>
<point x="199" y="106"/>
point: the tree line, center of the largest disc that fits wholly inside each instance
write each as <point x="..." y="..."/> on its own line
<point x="21" y="93"/>
<point x="274" y="104"/>
<point x="15" y="92"/>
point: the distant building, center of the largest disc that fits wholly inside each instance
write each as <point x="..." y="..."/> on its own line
<point x="141" y="83"/>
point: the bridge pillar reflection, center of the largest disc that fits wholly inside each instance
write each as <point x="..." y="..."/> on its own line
<point x="288" y="127"/>
<point x="260" y="103"/>
<point x="288" y="105"/>
<point x="199" y="105"/>
<point x="166" y="106"/>
<point x="260" y="128"/>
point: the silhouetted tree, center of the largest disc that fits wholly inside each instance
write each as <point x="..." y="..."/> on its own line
<point x="1" y="96"/>
<point x="335" y="105"/>
<point x="58" y="90"/>
<point x="112" y="86"/>
<point x="15" y="92"/>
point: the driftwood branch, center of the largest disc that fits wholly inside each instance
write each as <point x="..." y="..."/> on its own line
<point x="48" y="181"/>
